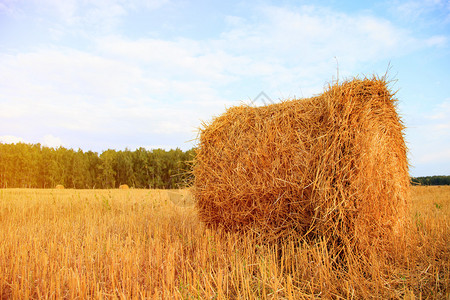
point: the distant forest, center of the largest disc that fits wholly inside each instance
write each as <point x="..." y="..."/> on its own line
<point x="431" y="180"/>
<point x="36" y="166"/>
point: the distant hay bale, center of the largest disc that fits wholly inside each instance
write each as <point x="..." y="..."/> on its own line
<point x="124" y="187"/>
<point x="331" y="166"/>
<point x="59" y="187"/>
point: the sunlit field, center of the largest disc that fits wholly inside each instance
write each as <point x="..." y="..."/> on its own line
<point x="150" y="244"/>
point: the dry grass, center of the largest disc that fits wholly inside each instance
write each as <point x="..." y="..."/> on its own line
<point x="142" y="244"/>
<point x="332" y="166"/>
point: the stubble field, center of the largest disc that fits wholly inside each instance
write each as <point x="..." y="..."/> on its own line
<point x="149" y="244"/>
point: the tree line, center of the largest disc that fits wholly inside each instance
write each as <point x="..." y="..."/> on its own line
<point x="431" y="180"/>
<point x="36" y="166"/>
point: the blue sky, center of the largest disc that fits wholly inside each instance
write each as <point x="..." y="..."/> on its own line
<point x="119" y="74"/>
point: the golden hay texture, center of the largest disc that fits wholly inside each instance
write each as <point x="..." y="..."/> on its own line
<point x="332" y="166"/>
<point x="59" y="187"/>
<point x="124" y="187"/>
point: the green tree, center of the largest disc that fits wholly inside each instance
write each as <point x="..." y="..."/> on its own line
<point x="28" y="165"/>
<point x="141" y="168"/>
<point x="124" y="167"/>
<point x="93" y="179"/>
<point x="107" y="169"/>
<point x="47" y="168"/>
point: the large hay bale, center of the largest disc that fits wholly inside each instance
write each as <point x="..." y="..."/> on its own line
<point x="333" y="166"/>
<point x="59" y="187"/>
<point x="124" y="187"/>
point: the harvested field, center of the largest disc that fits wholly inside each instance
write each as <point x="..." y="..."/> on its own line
<point x="139" y="243"/>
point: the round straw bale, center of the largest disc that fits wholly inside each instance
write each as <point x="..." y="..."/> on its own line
<point x="59" y="187"/>
<point x="331" y="166"/>
<point x="124" y="187"/>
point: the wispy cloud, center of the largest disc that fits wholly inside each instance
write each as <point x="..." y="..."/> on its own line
<point x="123" y="78"/>
<point x="93" y="81"/>
<point x="52" y="141"/>
<point x="439" y="121"/>
<point x="416" y="9"/>
<point x="435" y="156"/>
<point x="10" y="139"/>
<point x="430" y="139"/>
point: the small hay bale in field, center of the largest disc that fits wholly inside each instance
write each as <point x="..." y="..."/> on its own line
<point x="59" y="187"/>
<point x="124" y="187"/>
<point x="331" y="166"/>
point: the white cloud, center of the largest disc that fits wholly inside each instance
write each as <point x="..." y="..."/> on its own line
<point x="63" y="10"/>
<point x="282" y="49"/>
<point x="10" y="139"/>
<point x="439" y="120"/>
<point x="48" y="140"/>
<point x="414" y="9"/>
<point x="80" y="18"/>
<point x="287" y="47"/>
<point x="317" y="33"/>
<point x="7" y="7"/>
<point x="52" y="141"/>
<point x="121" y="86"/>
<point x="437" y="41"/>
<point x="96" y="14"/>
<point x="430" y="140"/>
<point x="442" y="156"/>
<point x="178" y="59"/>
